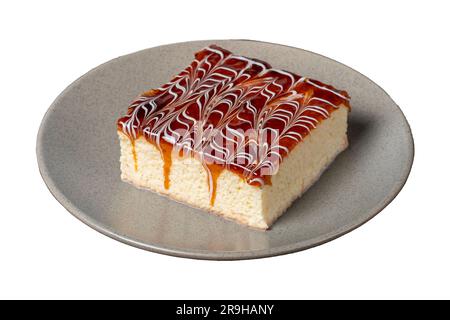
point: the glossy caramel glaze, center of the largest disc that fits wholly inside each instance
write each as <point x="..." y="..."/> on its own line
<point x="230" y="112"/>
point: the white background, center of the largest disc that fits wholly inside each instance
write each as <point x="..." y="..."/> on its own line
<point x="402" y="253"/>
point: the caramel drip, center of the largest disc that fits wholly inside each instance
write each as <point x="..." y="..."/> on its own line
<point x="166" y="155"/>
<point x="221" y="96"/>
<point x="133" y="150"/>
<point x="213" y="172"/>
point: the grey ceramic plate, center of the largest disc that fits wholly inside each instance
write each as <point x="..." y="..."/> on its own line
<point x="78" y="155"/>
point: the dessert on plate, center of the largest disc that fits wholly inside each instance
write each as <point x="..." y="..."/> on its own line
<point x="233" y="136"/>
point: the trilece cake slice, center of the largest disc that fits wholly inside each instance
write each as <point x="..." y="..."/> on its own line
<point x="233" y="136"/>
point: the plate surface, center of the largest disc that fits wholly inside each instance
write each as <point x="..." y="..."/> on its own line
<point x="78" y="156"/>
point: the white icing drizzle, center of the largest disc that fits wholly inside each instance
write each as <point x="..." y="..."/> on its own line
<point x="204" y="108"/>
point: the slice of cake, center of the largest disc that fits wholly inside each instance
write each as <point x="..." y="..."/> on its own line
<point x="233" y="136"/>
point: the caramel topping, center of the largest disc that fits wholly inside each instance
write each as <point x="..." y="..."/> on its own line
<point x="230" y="112"/>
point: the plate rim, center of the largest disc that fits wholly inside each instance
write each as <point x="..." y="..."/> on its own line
<point x="222" y="255"/>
